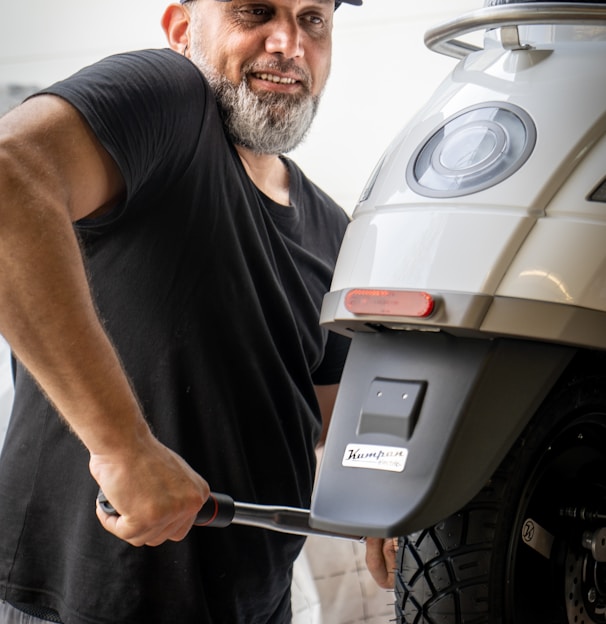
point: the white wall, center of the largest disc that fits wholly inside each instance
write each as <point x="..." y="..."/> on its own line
<point x="6" y="388"/>
<point x="382" y="73"/>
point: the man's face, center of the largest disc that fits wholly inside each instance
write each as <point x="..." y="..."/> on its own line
<point x="267" y="61"/>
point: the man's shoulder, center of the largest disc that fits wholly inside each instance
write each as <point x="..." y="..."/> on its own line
<point x="160" y="64"/>
<point x="143" y="82"/>
<point x="151" y="70"/>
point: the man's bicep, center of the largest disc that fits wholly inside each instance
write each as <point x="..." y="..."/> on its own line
<point x="58" y="155"/>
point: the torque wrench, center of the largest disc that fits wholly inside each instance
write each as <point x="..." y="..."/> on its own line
<point x="220" y="510"/>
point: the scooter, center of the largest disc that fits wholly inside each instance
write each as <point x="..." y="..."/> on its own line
<point x="471" y="416"/>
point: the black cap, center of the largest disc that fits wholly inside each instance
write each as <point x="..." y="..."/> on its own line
<point x="337" y="2"/>
<point x="491" y="3"/>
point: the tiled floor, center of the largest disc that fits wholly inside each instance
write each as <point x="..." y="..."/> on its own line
<point x="333" y="586"/>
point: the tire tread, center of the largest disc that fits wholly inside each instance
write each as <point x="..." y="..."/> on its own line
<point x="442" y="574"/>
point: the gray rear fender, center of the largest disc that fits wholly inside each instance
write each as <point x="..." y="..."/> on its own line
<point x="421" y="422"/>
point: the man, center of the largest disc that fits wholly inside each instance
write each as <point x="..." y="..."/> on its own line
<point x="173" y="332"/>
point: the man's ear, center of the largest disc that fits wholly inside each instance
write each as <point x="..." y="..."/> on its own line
<point x="175" y="23"/>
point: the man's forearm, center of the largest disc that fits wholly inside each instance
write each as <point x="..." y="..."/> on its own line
<point x="51" y="323"/>
<point x="54" y="171"/>
<point x="48" y="317"/>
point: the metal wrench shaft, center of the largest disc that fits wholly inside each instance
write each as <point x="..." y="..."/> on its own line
<point x="220" y="510"/>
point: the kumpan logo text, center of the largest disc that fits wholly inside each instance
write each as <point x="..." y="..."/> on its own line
<point x="391" y="458"/>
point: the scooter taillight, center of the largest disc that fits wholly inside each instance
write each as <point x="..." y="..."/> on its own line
<point x="383" y="302"/>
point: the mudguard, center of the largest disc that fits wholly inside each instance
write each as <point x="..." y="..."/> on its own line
<point x="421" y="422"/>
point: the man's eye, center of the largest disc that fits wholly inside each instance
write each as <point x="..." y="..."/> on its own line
<point x="314" y="21"/>
<point x="254" y="14"/>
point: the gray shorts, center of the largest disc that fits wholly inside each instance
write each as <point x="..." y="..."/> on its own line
<point x="10" y="615"/>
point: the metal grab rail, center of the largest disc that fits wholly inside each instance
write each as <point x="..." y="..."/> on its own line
<point x="443" y="38"/>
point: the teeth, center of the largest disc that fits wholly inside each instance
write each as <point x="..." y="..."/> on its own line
<point x="276" y="79"/>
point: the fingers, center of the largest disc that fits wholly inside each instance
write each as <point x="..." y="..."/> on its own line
<point x="155" y="492"/>
<point x="381" y="560"/>
<point x="142" y="535"/>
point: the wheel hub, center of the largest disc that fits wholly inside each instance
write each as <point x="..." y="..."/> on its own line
<point x="585" y="589"/>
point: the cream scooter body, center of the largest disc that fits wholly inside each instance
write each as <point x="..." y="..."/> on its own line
<point x="473" y="271"/>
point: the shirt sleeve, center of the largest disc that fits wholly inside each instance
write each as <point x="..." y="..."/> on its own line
<point x="147" y="109"/>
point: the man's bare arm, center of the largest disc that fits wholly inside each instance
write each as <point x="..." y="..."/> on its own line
<point x="53" y="171"/>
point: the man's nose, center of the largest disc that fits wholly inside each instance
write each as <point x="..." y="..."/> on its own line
<point x="285" y="38"/>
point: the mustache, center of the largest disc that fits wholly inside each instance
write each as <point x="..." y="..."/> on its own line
<point x="285" y="66"/>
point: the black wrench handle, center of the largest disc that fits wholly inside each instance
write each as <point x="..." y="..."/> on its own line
<point x="218" y="511"/>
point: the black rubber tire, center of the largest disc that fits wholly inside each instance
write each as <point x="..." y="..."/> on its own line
<point x="473" y="567"/>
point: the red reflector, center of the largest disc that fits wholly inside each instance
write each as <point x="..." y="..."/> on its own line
<point x="389" y="302"/>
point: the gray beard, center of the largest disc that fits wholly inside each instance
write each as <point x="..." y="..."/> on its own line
<point x="265" y="123"/>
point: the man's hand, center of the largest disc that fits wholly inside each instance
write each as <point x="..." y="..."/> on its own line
<point x="381" y="560"/>
<point x="155" y="492"/>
